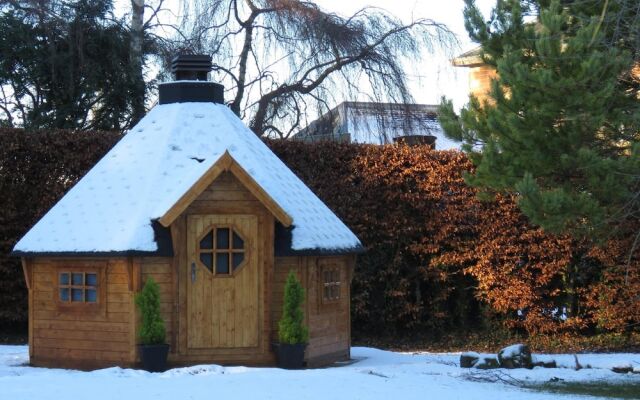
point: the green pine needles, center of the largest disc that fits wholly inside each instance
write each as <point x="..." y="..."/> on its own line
<point x="152" y="330"/>
<point x="291" y="329"/>
<point x="562" y="127"/>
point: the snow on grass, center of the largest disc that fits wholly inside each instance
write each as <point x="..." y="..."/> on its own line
<point x="378" y="375"/>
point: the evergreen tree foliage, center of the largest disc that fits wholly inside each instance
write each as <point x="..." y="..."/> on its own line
<point x="291" y="328"/>
<point x="561" y="126"/>
<point x="152" y="330"/>
<point x="66" y="64"/>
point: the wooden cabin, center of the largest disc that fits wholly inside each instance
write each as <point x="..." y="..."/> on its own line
<point x="193" y="199"/>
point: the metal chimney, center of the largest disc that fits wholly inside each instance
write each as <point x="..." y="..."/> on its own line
<point x="191" y="84"/>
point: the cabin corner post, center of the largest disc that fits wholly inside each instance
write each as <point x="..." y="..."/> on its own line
<point x="351" y="265"/>
<point x="28" y="280"/>
<point x="26" y="272"/>
<point x="178" y="250"/>
<point x="134" y="276"/>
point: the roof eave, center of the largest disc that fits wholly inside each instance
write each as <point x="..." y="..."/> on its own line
<point x="91" y="254"/>
<point x="320" y="252"/>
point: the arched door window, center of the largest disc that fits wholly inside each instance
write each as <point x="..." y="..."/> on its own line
<point x="221" y="250"/>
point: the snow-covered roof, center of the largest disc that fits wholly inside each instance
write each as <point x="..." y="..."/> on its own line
<point x="111" y="209"/>
<point x="378" y="123"/>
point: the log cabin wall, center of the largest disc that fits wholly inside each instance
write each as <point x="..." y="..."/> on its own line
<point x="85" y="336"/>
<point x="329" y="320"/>
<point x="226" y="196"/>
<point x="105" y="334"/>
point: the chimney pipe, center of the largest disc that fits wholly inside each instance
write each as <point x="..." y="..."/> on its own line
<point x="191" y="84"/>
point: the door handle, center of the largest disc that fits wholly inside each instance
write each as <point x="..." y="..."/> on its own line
<point x="193" y="272"/>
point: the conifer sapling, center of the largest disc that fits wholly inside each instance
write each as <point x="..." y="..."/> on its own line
<point x="152" y="330"/>
<point x="291" y="329"/>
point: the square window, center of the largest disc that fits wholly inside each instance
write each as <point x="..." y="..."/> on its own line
<point x="77" y="288"/>
<point x="330" y="283"/>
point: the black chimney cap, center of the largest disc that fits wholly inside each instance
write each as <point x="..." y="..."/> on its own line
<point x="193" y="67"/>
<point x="191" y="83"/>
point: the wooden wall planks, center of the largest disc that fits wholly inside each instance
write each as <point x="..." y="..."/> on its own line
<point x="84" y="338"/>
<point x="329" y="325"/>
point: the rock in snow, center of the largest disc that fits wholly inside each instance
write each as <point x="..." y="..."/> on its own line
<point x="515" y="356"/>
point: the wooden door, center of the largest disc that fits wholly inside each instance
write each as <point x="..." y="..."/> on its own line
<point x="223" y="289"/>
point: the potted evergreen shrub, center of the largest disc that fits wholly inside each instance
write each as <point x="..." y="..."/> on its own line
<point x="292" y="333"/>
<point x="152" y="334"/>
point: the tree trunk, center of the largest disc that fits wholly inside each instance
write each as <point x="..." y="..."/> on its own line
<point x="137" y="38"/>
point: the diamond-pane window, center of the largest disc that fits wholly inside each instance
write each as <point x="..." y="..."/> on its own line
<point x="222" y="250"/>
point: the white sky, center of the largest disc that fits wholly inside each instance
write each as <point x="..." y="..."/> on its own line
<point x="434" y="76"/>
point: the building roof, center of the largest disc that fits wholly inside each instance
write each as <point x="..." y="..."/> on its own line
<point x="377" y="123"/>
<point x="471" y="58"/>
<point x="122" y="204"/>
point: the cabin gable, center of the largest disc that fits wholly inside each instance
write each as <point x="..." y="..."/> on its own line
<point x="226" y="164"/>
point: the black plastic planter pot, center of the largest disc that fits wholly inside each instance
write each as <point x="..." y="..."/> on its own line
<point x="154" y="357"/>
<point x="291" y="356"/>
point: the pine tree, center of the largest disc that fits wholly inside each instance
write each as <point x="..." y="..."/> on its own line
<point x="561" y="126"/>
<point x="291" y="329"/>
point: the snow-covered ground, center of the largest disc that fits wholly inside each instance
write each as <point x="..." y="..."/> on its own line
<point x="377" y="375"/>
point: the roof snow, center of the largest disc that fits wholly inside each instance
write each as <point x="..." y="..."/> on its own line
<point x="112" y="207"/>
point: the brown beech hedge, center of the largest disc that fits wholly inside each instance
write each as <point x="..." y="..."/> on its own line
<point x="438" y="260"/>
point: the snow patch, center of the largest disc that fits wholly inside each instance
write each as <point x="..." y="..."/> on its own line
<point x="379" y="375"/>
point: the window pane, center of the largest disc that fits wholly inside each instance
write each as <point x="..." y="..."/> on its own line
<point x="76" y="295"/>
<point x="237" y="260"/>
<point x="336" y="276"/>
<point x="91" y="279"/>
<point x="327" y="276"/>
<point x="92" y="295"/>
<point x="64" y="278"/>
<point x="207" y="241"/>
<point x="327" y="292"/>
<point x="238" y="243"/>
<point x="64" y="294"/>
<point x="207" y="260"/>
<point x="222" y="263"/>
<point x="222" y="238"/>
<point x="76" y="279"/>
